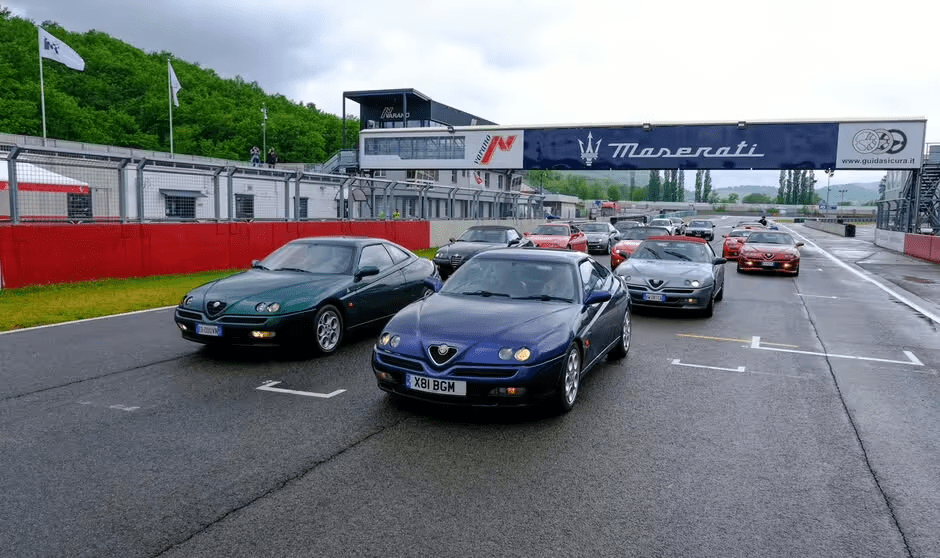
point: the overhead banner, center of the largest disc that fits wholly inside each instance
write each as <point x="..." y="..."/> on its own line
<point x="881" y="145"/>
<point x="746" y="146"/>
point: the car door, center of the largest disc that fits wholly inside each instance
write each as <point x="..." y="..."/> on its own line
<point x="377" y="296"/>
<point x="596" y="323"/>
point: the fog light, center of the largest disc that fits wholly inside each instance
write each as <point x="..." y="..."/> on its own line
<point x="508" y="391"/>
<point x="182" y="326"/>
<point x="262" y="334"/>
<point x="384" y="377"/>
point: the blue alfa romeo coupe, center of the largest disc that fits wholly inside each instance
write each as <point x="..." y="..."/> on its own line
<point x="511" y="327"/>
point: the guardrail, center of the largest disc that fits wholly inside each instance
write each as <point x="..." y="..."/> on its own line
<point x="833" y="227"/>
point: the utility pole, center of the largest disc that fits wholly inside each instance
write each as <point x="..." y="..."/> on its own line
<point x="264" y="132"/>
<point x="829" y="173"/>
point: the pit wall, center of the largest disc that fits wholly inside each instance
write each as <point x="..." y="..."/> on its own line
<point x="40" y="254"/>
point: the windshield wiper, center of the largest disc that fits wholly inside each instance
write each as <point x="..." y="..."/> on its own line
<point x="292" y="269"/>
<point x="542" y="297"/>
<point x="677" y="254"/>
<point x="483" y="293"/>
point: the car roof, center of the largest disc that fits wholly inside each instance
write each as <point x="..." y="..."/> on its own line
<point x="690" y="239"/>
<point x="534" y="255"/>
<point x="348" y="240"/>
<point x="491" y="227"/>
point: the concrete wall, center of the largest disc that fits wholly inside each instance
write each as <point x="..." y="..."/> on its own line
<point x="892" y="240"/>
<point x="443" y="231"/>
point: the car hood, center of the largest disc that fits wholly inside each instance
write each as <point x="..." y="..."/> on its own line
<point x="597" y="235"/>
<point x="480" y="326"/>
<point x="771" y="248"/>
<point x="550" y="240"/>
<point x="464" y="249"/>
<point x="673" y="273"/>
<point x="293" y="290"/>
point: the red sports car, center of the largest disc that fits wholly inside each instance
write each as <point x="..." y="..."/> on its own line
<point x="732" y="243"/>
<point x="770" y="251"/>
<point x="559" y="235"/>
<point x="630" y="239"/>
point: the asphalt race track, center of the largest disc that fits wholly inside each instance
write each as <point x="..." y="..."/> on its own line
<point x="800" y="420"/>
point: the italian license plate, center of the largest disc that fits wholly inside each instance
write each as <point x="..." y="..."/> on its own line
<point x="653" y="297"/>
<point x="768" y="264"/>
<point x="434" y="385"/>
<point x="210" y="330"/>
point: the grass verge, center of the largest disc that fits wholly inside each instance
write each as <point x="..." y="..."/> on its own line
<point x="52" y="304"/>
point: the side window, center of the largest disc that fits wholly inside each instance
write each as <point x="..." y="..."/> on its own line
<point x="398" y="255"/>
<point x="375" y="254"/>
<point x="590" y="278"/>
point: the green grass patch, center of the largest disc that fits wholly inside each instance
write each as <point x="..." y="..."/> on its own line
<point x="50" y="304"/>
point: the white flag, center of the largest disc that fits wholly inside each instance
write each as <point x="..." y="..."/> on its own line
<point x="174" y="83"/>
<point x="54" y="49"/>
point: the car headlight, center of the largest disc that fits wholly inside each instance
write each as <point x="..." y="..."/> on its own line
<point x="522" y="355"/>
<point x="269" y="307"/>
<point x="187" y="300"/>
<point x="389" y="340"/>
<point x="694" y="283"/>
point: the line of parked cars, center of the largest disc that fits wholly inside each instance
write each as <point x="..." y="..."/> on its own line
<point x="498" y="318"/>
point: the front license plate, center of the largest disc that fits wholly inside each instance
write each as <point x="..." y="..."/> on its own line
<point x="210" y="330"/>
<point x="433" y="385"/>
<point x="653" y="297"/>
<point x="768" y="264"/>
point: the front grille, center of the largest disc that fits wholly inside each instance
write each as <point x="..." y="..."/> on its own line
<point x="189" y="315"/>
<point x="399" y="362"/>
<point x="242" y="320"/>
<point x="441" y="354"/>
<point x="484" y="372"/>
<point x="215" y="307"/>
<point x="456" y="260"/>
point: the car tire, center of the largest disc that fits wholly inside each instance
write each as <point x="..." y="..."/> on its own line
<point x="622" y="347"/>
<point x="739" y="269"/>
<point x="327" y="329"/>
<point x="797" y="272"/>
<point x="570" y="380"/>
<point x="709" y="310"/>
<point x="721" y="293"/>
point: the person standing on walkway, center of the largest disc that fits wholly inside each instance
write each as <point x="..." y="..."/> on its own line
<point x="272" y="158"/>
<point x="255" y="156"/>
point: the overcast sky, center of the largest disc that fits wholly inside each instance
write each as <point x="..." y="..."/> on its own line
<point x="558" y="61"/>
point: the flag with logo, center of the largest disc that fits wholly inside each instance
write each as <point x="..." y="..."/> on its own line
<point x="174" y="83"/>
<point x="54" y="49"/>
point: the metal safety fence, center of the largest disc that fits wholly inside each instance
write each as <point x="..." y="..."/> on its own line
<point x="69" y="185"/>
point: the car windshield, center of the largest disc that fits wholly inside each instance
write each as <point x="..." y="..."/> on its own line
<point x="513" y="279"/>
<point x="758" y="237"/>
<point x="669" y="250"/>
<point x="661" y="222"/>
<point x="494" y="236"/>
<point x="638" y="233"/>
<point x="705" y="224"/>
<point x="742" y="232"/>
<point x="552" y="230"/>
<point x="625" y="225"/>
<point x="594" y="227"/>
<point x="312" y="258"/>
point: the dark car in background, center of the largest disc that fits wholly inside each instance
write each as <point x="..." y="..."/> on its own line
<point x="309" y="292"/>
<point x="474" y="240"/>
<point x="601" y="236"/>
<point x="701" y="228"/>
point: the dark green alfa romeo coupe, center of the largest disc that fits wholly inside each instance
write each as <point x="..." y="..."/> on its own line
<point x="311" y="291"/>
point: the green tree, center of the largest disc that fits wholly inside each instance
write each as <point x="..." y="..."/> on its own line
<point x="613" y="192"/>
<point x="699" y="197"/>
<point x="707" y="185"/>
<point x="654" y="190"/>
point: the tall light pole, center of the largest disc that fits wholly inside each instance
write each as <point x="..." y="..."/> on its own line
<point x="842" y="191"/>
<point x="829" y="173"/>
<point x="264" y="132"/>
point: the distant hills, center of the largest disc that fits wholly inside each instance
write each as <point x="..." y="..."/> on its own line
<point x="858" y="193"/>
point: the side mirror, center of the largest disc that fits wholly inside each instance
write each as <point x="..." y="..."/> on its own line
<point x="798" y="244"/>
<point x="719" y="261"/>
<point x="514" y="241"/>
<point x="451" y="239"/>
<point x="367" y="271"/>
<point x="256" y="263"/>
<point x="623" y="254"/>
<point x="724" y="236"/>
<point x="433" y="283"/>
<point x="597" y="297"/>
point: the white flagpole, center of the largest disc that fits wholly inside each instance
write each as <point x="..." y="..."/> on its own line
<point x="42" y="92"/>
<point x="169" y="82"/>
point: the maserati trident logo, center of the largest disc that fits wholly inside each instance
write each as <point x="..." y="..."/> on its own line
<point x="589" y="154"/>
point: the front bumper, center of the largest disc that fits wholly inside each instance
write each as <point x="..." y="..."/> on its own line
<point x="245" y="330"/>
<point x="687" y="298"/>
<point x="774" y="266"/>
<point x="486" y="384"/>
